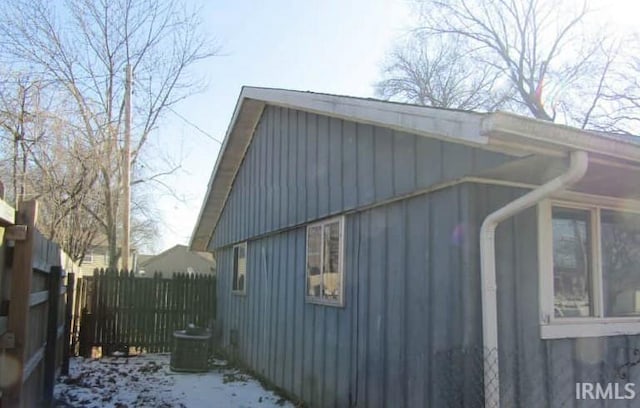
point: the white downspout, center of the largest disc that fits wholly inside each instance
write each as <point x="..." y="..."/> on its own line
<point x="575" y="172"/>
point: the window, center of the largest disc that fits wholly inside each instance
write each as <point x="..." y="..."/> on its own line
<point x="590" y="270"/>
<point x="324" y="262"/>
<point x="88" y="257"/>
<point x="239" y="268"/>
<point x="620" y="234"/>
<point x="572" y="296"/>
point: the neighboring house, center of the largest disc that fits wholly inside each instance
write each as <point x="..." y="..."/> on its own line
<point x="353" y="269"/>
<point x="98" y="258"/>
<point x="143" y="258"/>
<point x="177" y="259"/>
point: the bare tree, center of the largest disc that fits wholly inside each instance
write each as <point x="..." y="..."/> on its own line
<point x="432" y="72"/>
<point x="19" y="113"/>
<point x="64" y="179"/>
<point x="83" y="49"/>
<point x="555" y="60"/>
<point x="47" y="162"/>
<point x="624" y="95"/>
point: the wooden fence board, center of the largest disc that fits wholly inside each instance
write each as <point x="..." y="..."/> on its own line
<point x="20" y="288"/>
<point x="52" y="333"/>
<point x="37" y="298"/>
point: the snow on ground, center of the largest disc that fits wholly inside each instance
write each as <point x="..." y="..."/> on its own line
<point x="147" y="381"/>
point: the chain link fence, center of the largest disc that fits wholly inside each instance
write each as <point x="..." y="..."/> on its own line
<point x="540" y="379"/>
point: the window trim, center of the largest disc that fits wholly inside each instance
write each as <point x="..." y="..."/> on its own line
<point x="320" y="300"/>
<point x="242" y="292"/>
<point x="552" y="327"/>
<point x="88" y="257"/>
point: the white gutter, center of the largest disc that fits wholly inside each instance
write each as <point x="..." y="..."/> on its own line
<point x="575" y="172"/>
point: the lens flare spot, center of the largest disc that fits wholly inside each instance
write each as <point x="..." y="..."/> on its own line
<point x="589" y="350"/>
<point x="626" y="205"/>
<point x="10" y="371"/>
<point x="457" y="236"/>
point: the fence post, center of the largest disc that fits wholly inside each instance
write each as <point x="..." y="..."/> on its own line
<point x="21" y="274"/>
<point x="52" y="333"/>
<point x="78" y="305"/>
<point x="84" y="334"/>
<point x="71" y="279"/>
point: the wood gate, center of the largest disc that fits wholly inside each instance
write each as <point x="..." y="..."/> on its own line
<point x="116" y="310"/>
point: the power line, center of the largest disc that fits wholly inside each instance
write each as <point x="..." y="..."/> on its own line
<point x="187" y="121"/>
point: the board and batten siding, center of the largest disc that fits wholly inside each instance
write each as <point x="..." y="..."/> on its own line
<point x="301" y="167"/>
<point x="536" y="372"/>
<point x="411" y="295"/>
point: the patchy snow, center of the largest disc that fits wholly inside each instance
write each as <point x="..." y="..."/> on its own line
<point x="147" y="381"/>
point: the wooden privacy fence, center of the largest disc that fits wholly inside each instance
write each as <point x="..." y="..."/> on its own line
<point x="118" y="310"/>
<point x="35" y="314"/>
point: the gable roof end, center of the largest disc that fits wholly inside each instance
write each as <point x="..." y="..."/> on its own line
<point x="446" y="124"/>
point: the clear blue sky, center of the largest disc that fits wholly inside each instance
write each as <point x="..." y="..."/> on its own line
<point x="329" y="46"/>
<point x="334" y="46"/>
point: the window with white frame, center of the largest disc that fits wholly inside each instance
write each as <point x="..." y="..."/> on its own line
<point x="325" y="272"/>
<point x="239" y="268"/>
<point x="590" y="260"/>
<point x="88" y="257"/>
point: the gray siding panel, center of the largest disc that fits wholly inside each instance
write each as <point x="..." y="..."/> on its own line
<point x="335" y="180"/>
<point x="429" y="162"/>
<point x="301" y="170"/>
<point x="349" y="165"/>
<point x="361" y="266"/>
<point x="322" y="168"/>
<point x="302" y="167"/>
<point x="375" y="308"/>
<point x="378" y="349"/>
<point x="404" y="163"/>
<point x="366" y="164"/>
<point x="383" y="163"/>
<point x="291" y="313"/>
<point x="417" y="316"/>
<point x="395" y="337"/>
<point x="272" y="147"/>
<point x="460" y="160"/>
<point x="313" y="167"/>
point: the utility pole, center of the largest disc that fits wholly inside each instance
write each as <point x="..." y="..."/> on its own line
<point x="126" y="233"/>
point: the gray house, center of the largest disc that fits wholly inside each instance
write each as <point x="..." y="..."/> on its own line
<point x="372" y="254"/>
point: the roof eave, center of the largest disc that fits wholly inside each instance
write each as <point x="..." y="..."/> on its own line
<point x="244" y="120"/>
<point x="507" y="130"/>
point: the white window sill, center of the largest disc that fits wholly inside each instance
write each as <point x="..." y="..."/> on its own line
<point x="590" y="328"/>
<point x="324" y="302"/>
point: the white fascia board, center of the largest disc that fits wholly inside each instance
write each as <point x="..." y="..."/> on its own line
<point x="207" y="219"/>
<point x="508" y="129"/>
